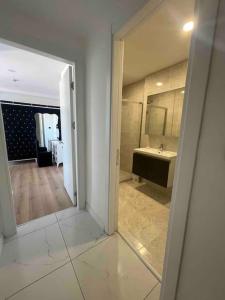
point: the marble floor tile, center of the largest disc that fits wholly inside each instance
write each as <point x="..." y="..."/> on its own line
<point x="154" y="252"/>
<point x="30" y="257"/>
<point x="80" y="233"/>
<point x="143" y="220"/>
<point x="111" y="270"/>
<point x="66" y="213"/>
<point x="124" y="176"/>
<point x="155" y="265"/>
<point x="155" y="293"/>
<point x="34" y="225"/>
<point x="133" y="242"/>
<point x="59" y="285"/>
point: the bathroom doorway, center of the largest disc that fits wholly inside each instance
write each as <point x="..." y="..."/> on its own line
<point x="154" y="82"/>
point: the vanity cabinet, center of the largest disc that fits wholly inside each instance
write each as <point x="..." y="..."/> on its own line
<point x="154" y="169"/>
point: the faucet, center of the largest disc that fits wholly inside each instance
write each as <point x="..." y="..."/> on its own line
<point x="161" y="147"/>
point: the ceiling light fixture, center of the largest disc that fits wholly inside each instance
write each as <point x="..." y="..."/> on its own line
<point x="188" y="26"/>
<point x="159" y="83"/>
<point x="182" y="92"/>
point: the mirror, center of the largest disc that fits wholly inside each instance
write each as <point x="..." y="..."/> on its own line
<point x="156" y="119"/>
<point x="163" y="114"/>
<point x="47" y="129"/>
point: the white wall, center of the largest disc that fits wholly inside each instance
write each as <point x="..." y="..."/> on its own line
<point x="98" y="81"/>
<point x="26" y="98"/>
<point x="98" y="93"/>
<point x="203" y="264"/>
<point x="134" y="91"/>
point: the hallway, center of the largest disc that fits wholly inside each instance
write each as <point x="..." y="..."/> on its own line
<point x="67" y="256"/>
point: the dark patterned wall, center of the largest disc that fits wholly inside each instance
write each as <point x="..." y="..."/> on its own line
<point x="20" y="129"/>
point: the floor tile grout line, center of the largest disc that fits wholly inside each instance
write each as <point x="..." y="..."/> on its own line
<point x="38" y="229"/>
<point x="141" y="259"/>
<point x="23" y="235"/>
<point x="152" y="289"/>
<point x="35" y="281"/>
<point x="71" y="261"/>
<point x="77" y="279"/>
<point x="65" y="218"/>
<point x="32" y="220"/>
<point x="91" y="247"/>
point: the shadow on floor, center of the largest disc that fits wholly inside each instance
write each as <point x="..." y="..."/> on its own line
<point x="161" y="195"/>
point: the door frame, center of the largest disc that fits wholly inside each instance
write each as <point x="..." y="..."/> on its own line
<point x="74" y="200"/>
<point x="80" y="204"/>
<point x="196" y="86"/>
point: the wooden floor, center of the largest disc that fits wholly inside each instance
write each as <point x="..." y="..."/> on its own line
<point x="37" y="191"/>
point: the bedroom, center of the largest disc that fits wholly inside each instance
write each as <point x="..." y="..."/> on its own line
<point x="36" y="99"/>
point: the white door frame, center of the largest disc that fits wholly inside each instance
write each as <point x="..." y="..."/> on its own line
<point x="71" y="97"/>
<point x="80" y="200"/>
<point x="196" y="85"/>
<point x="7" y="213"/>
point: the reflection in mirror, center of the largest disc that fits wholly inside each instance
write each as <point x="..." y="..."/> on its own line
<point x="163" y="114"/>
<point x="177" y="112"/>
<point x="47" y="128"/>
<point x="155" y="120"/>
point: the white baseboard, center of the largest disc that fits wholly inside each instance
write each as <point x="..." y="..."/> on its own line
<point x="95" y="216"/>
<point x="20" y="161"/>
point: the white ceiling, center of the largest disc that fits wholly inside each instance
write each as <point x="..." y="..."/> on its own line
<point x="37" y="75"/>
<point x="158" y="41"/>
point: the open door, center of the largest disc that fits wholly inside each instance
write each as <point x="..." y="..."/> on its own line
<point x="67" y="129"/>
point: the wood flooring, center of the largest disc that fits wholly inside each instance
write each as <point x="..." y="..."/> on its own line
<point x="37" y="191"/>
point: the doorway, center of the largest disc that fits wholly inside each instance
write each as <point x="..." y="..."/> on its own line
<point x="157" y="79"/>
<point x="196" y="86"/>
<point x="38" y="105"/>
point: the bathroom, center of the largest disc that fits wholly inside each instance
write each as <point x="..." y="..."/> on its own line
<point x="151" y="115"/>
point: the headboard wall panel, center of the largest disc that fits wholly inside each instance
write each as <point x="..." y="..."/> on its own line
<point x="20" y="128"/>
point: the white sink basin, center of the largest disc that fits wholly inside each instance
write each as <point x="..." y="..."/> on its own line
<point x="166" y="155"/>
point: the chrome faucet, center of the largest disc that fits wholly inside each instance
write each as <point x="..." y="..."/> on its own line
<point x="161" y="147"/>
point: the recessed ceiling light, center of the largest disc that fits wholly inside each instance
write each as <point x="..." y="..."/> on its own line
<point x="182" y="92"/>
<point x="11" y="70"/>
<point x="159" y="83"/>
<point x="188" y="26"/>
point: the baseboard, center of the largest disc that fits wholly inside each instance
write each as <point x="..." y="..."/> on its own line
<point x="95" y="216"/>
<point x="20" y="161"/>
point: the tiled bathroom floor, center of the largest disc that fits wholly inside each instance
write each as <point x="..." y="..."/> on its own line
<point x="124" y="176"/>
<point x="67" y="256"/>
<point x="143" y="221"/>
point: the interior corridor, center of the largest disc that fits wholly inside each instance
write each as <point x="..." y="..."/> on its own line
<point x="67" y="256"/>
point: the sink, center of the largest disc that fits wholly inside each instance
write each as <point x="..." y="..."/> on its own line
<point x="166" y="155"/>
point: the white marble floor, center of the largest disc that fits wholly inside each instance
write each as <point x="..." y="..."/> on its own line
<point x="67" y="256"/>
<point x="124" y="176"/>
<point x="143" y="221"/>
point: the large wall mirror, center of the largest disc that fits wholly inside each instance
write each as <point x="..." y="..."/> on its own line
<point x="47" y="128"/>
<point x="163" y="114"/>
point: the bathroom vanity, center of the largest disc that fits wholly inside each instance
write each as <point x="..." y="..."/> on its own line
<point x="155" y="165"/>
